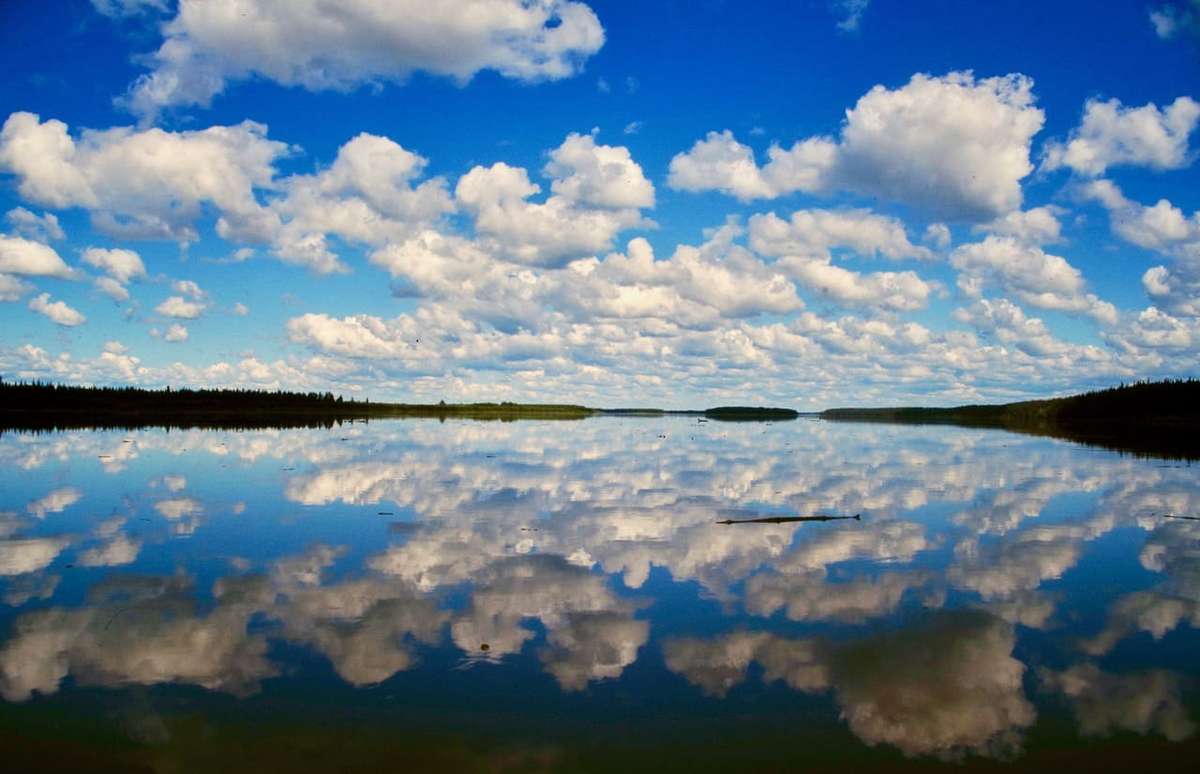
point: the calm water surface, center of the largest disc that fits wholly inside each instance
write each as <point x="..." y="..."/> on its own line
<point x="416" y="595"/>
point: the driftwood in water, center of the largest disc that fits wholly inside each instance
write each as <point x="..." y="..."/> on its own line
<point x="789" y="519"/>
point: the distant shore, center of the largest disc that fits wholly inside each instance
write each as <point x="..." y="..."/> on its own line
<point x="1156" y="418"/>
<point x="1153" y="418"/>
<point x="38" y="406"/>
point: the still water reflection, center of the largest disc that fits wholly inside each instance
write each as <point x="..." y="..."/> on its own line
<point x="545" y="595"/>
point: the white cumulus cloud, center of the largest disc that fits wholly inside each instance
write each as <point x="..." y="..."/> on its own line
<point x="145" y="184"/>
<point x="1113" y="135"/>
<point x="35" y="259"/>
<point x="180" y="307"/>
<point x="123" y="266"/>
<point x="342" y="46"/>
<point x="57" y="311"/>
<point x="1036" y="277"/>
<point x="954" y="145"/>
<point x="39" y="228"/>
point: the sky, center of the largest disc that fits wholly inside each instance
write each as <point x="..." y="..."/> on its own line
<point x="683" y="204"/>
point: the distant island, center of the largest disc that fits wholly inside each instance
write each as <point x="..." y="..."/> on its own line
<point x="1160" y="418"/>
<point x="41" y="406"/>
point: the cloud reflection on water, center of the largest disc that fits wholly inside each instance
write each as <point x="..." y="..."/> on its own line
<point x="542" y="540"/>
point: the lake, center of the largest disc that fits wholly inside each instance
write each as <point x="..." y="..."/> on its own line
<point x="559" y="595"/>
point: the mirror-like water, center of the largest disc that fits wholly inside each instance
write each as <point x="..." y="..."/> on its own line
<point x="560" y="595"/>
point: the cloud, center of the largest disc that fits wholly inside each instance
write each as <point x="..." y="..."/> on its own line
<point x="1003" y="510"/>
<point x="111" y="288"/>
<point x="1176" y="18"/>
<point x="1019" y="563"/>
<point x="18" y="557"/>
<point x="178" y="507"/>
<point x="21" y="589"/>
<point x="33" y="259"/>
<point x="369" y="195"/>
<point x="1030" y="609"/>
<point x="354" y="336"/>
<point x="319" y="47"/>
<point x="1037" y="226"/>
<point x="591" y="633"/>
<point x="57" y="311"/>
<point x="593" y="646"/>
<point x="1172" y="549"/>
<point x="122" y="265"/>
<point x="366" y="628"/>
<point x="1010" y="325"/>
<point x="945" y="686"/>
<point x="162" y="638"/>
<point x="55" y="501"/>
<point x="695" y="285"/>
<point x="1036" y="277"/>
<point x="11" y="523"/>
<point x="888" y="290"/>
<point x="813" y="233"/>
<point x="721" y="163"/>
<point x="1114" y="135"/>
<point x="1153" y="329"/>
<point x="850" y="13"/>
<point x="174" y="482"/>
<point x="39" y="228"/>
<point x="602" y="176"/>
<point x="1165" y="229"/>
<point x="481" y="308"/>
<point x="953" y="145"/>
<point x="597" y="192"/>
<point x="117" y="9"/>
<point x="176" y="333"/>
<point x="893" y="541"/>
<point x="807" y="240"/>
<point x="13" y="289"/>
<point x="144" y="184"/>
<point x="717" y="665"/>
<point x="1143" y="702"/>
<point x="190" y="289"/>
<point x="811" y="597"/>
<point x="118" y="551"/>
<point x="179" y="307"/>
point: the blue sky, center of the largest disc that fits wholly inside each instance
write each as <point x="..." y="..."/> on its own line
<point x="808" y="203"/>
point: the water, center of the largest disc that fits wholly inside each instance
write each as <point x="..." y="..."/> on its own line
<point x="558" y="596"/>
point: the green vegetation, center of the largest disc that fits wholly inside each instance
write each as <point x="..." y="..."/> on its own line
<point x="722" y="413"/>
<point x="749" y="413"/>
<point x="501" y="411"/>
<point x="39" y="406"/>
<point x="1156" y="418"/>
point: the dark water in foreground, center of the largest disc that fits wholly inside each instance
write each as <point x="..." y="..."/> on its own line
<point x="416" y="595"/>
